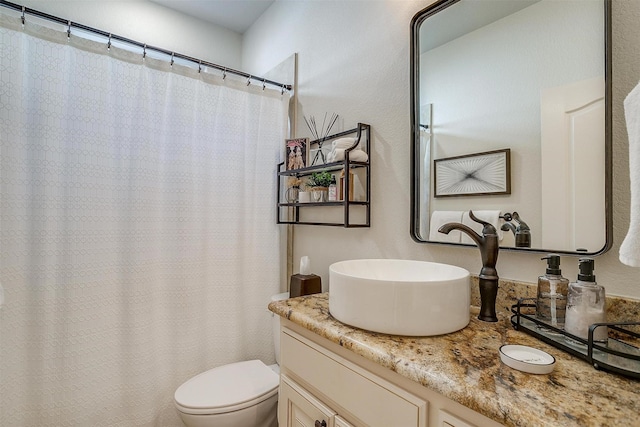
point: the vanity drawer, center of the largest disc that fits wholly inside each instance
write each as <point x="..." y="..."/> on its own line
<point x="371" y="399"/>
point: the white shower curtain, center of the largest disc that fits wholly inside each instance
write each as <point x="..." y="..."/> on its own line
<point x="137" y="231"/>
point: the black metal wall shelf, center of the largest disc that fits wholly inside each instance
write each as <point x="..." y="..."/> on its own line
<point x="289" y="213"/>
<point x="332" y="203"/>
<point x="620" y="354"/>
<point x="331" y="167"/>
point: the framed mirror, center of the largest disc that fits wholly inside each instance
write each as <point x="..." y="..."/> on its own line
<point x="511" y="118"/>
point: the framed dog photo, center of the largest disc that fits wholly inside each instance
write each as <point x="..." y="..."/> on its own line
<point x="297" y="153"/>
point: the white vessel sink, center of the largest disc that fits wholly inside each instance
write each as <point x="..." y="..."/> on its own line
<point x="400" y="297"/>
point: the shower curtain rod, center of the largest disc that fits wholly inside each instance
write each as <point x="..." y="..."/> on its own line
<point x="145" y="47"/>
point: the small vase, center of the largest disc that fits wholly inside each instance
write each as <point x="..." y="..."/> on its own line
<point x="320" y="194"/>
<point x="292" y="194"/>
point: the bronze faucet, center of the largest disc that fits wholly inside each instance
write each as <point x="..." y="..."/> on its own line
<point x="488" y="245"/>
<point x="522" y="232"/>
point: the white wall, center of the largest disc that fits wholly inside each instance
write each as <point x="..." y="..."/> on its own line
<point x="150" y="23"/>
<point x="354" y="60"/>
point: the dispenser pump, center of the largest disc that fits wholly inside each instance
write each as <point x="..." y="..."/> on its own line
<point x="551" y="302"/>
<point x="586" y="305"/>
<point x="586" y="266"/>
<point x="553" y="264"/>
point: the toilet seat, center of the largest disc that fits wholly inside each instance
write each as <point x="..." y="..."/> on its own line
<point x="227" y="388"/>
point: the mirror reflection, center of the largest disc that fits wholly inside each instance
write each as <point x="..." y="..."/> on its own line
<point x="510" y="120"/>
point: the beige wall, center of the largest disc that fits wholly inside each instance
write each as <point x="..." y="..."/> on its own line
<point x="354" y="60"/>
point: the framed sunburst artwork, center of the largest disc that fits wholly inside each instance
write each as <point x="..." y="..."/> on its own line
<point x="487" y="173"/>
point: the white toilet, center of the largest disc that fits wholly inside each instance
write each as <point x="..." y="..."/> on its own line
<point x="242" y="394"/>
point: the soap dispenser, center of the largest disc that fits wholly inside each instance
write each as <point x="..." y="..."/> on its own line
<point x="551" y="302"/>
<point x="333" y="189"/>
<point x="586" y="304"/>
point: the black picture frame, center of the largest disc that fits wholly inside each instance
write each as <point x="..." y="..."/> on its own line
<point x="296" y="155"/>
<point x="477" y="174"/>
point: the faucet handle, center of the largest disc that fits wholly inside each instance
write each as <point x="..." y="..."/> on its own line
<point x="487" y="229"/>
<point x="523" y="225"/>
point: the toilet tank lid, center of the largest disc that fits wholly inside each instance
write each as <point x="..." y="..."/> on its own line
<point x="280" y="297"/>
<point x="227" y="386"/>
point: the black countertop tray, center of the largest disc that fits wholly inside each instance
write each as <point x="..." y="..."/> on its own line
<point x="621" y="354"/>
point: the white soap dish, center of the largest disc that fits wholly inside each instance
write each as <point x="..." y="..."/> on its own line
<point x="527" y="359"/>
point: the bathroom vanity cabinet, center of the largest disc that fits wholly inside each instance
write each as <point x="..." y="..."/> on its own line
<point x="453" y="380"/>
<point x="323" y="384"/>
<point x="349" y="212"/>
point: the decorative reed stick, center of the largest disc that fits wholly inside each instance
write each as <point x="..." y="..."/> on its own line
<point x="322" y="135"/>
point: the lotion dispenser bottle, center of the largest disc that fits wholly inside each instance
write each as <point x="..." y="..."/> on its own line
<point x="333" y="189"/>
<point x="551" y="302"/>
<point x="586" y="304"/>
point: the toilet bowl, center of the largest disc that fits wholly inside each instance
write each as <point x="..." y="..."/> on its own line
<point x="241" y="394"/>
<point x="238" y="394"/>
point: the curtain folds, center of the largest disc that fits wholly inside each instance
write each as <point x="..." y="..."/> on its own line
<point x="138" y="243"/>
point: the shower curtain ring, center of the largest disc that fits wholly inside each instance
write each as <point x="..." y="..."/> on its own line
<point x="264" y="84"/>
<point x="109" y="42"/>
<point x="68" y="30"/>
<point x="249" y="80"/>
<point x="199" y="67"/>
<point x="282" y="91"/>
<point x="22" y="17"/>
<point x="224" y="73"/>
<point x="144" y="51"/>
<point x="172" y="59"/>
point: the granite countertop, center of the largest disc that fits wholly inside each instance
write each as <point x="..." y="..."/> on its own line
<point x="465" y="366"/>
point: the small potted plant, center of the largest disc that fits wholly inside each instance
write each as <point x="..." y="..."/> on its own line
<point x="319" y="184"/>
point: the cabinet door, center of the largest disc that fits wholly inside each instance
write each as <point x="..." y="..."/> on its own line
<point x="341" y="422"/>
<point x="448" y="420"/>
<point x="367" y="398"/>
<point x="298" y="408"/>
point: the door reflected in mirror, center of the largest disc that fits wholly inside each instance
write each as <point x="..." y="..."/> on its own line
<point x="527" y="77"/>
